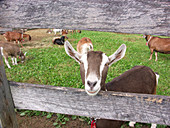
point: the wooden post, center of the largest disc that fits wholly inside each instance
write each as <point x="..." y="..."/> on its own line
<point x="7" y="113"/>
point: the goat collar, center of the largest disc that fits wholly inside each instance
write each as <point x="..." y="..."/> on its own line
<point x="93" y="123"/>
<point x="148" y="40"/>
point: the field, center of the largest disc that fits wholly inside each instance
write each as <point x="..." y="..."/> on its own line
<point x="49" y="64"/>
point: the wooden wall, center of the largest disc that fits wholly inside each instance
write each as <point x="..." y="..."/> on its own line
<point x="125" y="16"/>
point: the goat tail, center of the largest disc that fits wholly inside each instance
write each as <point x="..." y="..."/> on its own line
<point x="157" y="77"/>
<point x="2" y="51"/>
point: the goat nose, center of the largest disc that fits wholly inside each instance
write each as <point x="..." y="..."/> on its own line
<point x="91" y="84"/>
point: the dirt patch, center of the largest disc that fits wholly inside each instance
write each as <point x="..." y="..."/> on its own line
<point x="39" y="39"/>
<point x="43" y="122"/>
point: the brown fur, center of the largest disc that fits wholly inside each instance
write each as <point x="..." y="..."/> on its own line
<point x="79" y="31"/>
<point x="64" y="32"/>
<point x="10" y="49"/>
<point x="27" y="36"/>
<point x="83" y="41"/>
<point x="15" y="36"/>
<point x="139" y="79"/>
<point x="102" y="123"/>
<point x="157" y="44"/>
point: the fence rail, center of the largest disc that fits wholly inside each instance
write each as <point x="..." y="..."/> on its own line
<point x="109" y="105"/>
<point x="128" y="16"/>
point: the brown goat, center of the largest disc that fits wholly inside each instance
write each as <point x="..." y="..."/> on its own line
<point x="84" y="45"/>
<point x="9" y="49"/>
<point x="78" y="31"/>
<point x="157" y="44"/>
<point x="15" y="36"/>
<point x="93" y="69"/>
<point x="64" y="32"/>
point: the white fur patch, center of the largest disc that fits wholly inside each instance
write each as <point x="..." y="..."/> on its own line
<point x="84" y="60"/>
<point x="157" y="77"/>
<point x="92" y="77"/>
<point x="132" y="124"/>
<point x="104" y="61"/>
<point x="153" y="125"/>
<point x="85" y="48"/>
<point x="2" y="51"/>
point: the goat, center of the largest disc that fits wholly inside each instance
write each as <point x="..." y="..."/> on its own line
<point x="79" y="31"/>
<point x="57" y="30"/>
<point x="9" y="49"/>
<point x="93" y="69"/>
<point x="49" y="31"/>
<point x="59" y="40"/>
<point x="157" y="44"/>
<point x="26" y="36"/>
<point x="84" y="45"/>
<point x="64" y="32"/>
<point x="15" y="36"/>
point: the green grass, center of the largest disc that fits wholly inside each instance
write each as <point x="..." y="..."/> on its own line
<point x="52" y="66"/>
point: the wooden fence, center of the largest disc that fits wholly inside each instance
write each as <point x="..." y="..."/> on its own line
<point x="151" y="17"/>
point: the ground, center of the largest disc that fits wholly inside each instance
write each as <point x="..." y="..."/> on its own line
<point x="43" y="122"/>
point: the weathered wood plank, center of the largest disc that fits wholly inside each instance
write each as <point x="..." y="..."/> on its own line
<point x="109" y="105"/>
<point x="127" y="16"/>
<point x="7" y="113"/>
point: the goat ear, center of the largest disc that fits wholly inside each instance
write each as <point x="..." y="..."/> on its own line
<point x="119" y="54"/>
<point x="72" y="52"/>
<point x="144" y="35"/>
<point x="25" y="53"/>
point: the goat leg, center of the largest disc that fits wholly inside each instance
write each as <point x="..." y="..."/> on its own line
<point x="15" y="61"/>
<point x="6" y="61"/>
<point x="156" y="56"/>
<point x="151" y="54"/>
<point x="21" y="44"/>
<point x="12" y="61"/>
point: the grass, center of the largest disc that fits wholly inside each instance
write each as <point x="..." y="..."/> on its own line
<point x="52" y="66"/>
